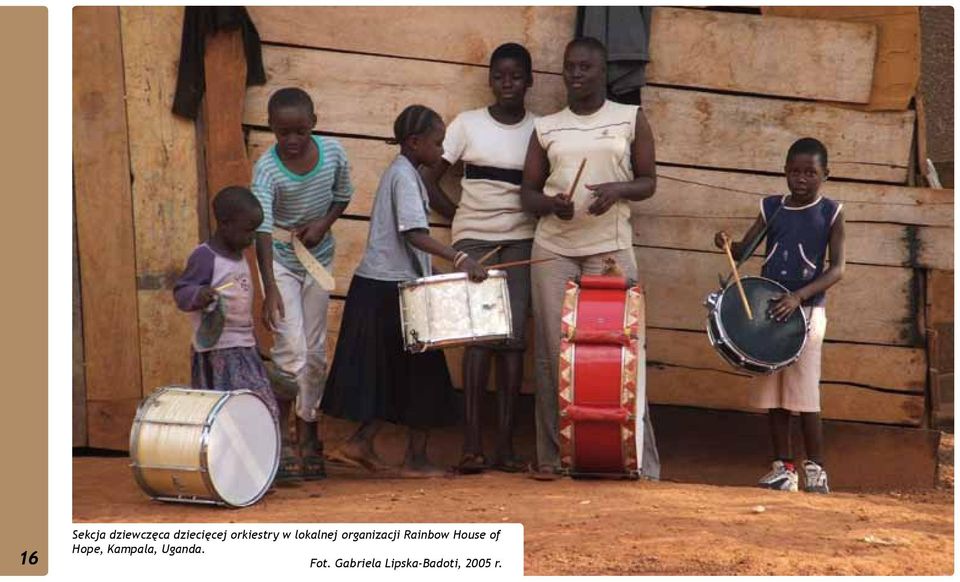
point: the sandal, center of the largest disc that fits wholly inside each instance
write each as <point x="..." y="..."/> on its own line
<point x="509" y="465"/>
<point x="471" y="464"/>
<point x="290" y="467"/>
<point x="313" y="467"/>
<point x="545" y="473"/>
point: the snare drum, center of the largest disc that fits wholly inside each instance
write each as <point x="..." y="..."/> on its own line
<point x="204" y="446"/>
<point x="759" y="346"/>
<point x="450" y="310"/>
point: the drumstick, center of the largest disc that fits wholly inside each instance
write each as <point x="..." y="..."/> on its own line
<point x="576" y="180"/>
<point x="225" y="286"/>
<point x="736" y="277"/>
<point x="490" y="254"/>
<point x="518" y="263"/>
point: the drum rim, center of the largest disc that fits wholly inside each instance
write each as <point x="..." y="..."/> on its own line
<point x="495" y="273"/>
<point x="205" y="438"/>
<point x="727" y="341"/>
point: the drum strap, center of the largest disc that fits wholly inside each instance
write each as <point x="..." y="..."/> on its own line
<point x="752" y="246"/>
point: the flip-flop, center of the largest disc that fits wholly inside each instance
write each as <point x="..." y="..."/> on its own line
<point x="510" y="465"/>
<point x="471" y="464"/>
<point x="290" y="467"/>
<point x="313" y="468"/>
<point x="545" y="474"/>
<point x="405" y="473"/>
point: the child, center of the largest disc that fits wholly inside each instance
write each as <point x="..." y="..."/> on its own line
<point x="303" y="184"/>
<point x="492" y="142"/>
<point x="217" y="277"/>
<point x="373" y="379"/>
<point x="806" y="226"/>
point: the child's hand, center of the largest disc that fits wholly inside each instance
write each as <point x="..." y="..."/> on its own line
<point x="311" y="233"/>
<point x="206" y="295"/>
<point x="605" y="196"/>
<point x="783" y="305"/>
<point x="473" y="269"/>
<point x="272" y="312"/>
<point x="563" y="207"/>
<point x="721" y="239"/>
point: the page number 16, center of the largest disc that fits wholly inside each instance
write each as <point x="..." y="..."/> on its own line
<point x="32" y="559"/>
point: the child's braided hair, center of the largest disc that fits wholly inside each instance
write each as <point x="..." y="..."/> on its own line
<point x="414" y="120"/>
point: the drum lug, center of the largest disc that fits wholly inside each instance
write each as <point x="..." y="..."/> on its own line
<point x="711" y="301"/>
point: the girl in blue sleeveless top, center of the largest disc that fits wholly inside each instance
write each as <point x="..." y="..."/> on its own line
<point x="804" y="228"/>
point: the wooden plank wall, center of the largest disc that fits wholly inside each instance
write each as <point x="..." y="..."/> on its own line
<point x="105" y="233"/>
<point x="712" y="171"/>
<point x="722" y="119"/>
<point x="135" y="167"/>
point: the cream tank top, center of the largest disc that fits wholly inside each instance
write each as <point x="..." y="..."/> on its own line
<point x="605" y="139"/>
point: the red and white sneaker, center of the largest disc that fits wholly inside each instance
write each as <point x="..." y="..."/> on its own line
<point x="782" y="477"/>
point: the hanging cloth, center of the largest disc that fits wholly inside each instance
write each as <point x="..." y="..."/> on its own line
<point x="198" y="22"/>
<point x="625" y="30"/>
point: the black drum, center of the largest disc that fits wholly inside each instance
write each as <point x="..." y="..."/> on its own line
<point x="762" y="345"/>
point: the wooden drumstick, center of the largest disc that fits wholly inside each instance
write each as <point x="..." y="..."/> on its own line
<point x="576" y="180"/>
<point x="488" y="255"/>
<point x="518" y="263"/>
<point x="736" y="277"/>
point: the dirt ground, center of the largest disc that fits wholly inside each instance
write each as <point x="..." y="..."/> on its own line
<point x="577" y="527"/>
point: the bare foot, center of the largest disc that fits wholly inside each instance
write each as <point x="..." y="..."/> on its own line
<point x="358" y="456"/>
<point x="420" y="471"/>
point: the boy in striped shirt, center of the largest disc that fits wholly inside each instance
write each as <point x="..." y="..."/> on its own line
<point x="303" y="185"/>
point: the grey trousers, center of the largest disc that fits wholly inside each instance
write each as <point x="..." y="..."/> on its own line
<point x="548" y="281"/>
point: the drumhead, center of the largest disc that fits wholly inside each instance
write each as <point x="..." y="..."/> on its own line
<point x="762" y="338"/>
<point x="243" y="449"/>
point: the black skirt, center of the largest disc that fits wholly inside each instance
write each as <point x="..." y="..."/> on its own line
<point x="373" y="377"/>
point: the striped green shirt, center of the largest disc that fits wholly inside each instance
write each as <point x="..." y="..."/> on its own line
<point x="290" y="200"/>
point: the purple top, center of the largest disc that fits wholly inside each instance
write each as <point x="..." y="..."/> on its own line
<point x="206" y="267"/>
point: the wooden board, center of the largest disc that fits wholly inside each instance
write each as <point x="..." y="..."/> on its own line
<point x="443" y="33"/>
<point x="754" y="133"/>
<point x="884" y="367"/>
<point x="163" y="164"/>
<point x="362" y="94"/>
<point x="940" y="297"/>
<point x="368" y="158"/>
<point x="225" y="152"/>
<point x="79" y="387"/>
<point x="752" y="54"/>
<point x="867" y="243"/>
<point x="105" y="235"/>
<point x="726" y="391"/>
<point x="110" y="422"/>
<point x="897" y="68"/>
<point x="871" y="304"/>
<point x="699" y="192"/>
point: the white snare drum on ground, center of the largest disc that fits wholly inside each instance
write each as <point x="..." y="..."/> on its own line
<point x="450" y="310"/>
<point x="204" y="446"/>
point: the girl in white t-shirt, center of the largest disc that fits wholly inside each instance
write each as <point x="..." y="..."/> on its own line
<point x="492" y="144"/>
